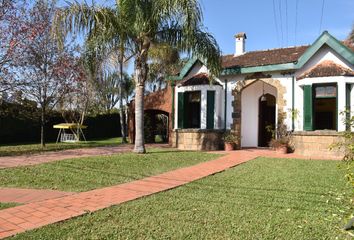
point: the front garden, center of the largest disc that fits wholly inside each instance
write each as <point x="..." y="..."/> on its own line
<point x="28" y="148"/>
<point x="261" y="199"/>
<point x="89" y="173"/>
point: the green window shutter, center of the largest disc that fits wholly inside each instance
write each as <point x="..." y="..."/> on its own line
<point x="180" y="110"/>
<point x="348" y="89"/>
<point x="308" y="118"/>
<point x="210" y="109"/>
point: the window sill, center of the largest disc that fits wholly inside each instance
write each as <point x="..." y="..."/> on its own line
<point x="317" y="133"/>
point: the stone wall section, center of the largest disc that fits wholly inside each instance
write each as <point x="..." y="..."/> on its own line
<point x="317" y="143"/>
<point x="197" y="139"/>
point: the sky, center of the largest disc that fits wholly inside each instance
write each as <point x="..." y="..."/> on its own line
<point x="225" y="18"/>
<point x="273" y="23"/>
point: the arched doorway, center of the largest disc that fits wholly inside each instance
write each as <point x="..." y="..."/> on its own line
<point x="156" y="126"/>
<point x="250" y="112"/>
<point x="266" y="119"/>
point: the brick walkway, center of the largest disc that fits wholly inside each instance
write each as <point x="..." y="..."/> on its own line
<point x="34" y="215"/>
<point x="33" y="159"/>
<point x="18" y="195"/>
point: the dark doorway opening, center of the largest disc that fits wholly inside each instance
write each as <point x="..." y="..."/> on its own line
<point x="325" y="107"/>
<point x="192" y="109"/>
<point x="266" y="119"/>
<point x="156" y="126"/>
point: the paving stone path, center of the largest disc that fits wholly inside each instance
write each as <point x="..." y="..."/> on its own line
<point x="19" y="195"/>
<point x="33" y="159"/>
<point x="37" y="214"/>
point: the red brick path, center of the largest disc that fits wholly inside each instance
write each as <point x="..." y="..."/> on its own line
<point x="18" y="195"/>
<point x="34" y="215"/>
<point x="33" y="159"/>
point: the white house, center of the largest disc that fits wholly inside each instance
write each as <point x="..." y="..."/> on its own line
<point x="305" y="87"/>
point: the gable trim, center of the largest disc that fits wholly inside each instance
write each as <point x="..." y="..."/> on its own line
<point x="325" y="38"/>
<point x="330" y="41"/>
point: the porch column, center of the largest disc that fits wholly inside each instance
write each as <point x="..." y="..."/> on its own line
<point x="203" y="109"/>
<point x="341" y="105"/>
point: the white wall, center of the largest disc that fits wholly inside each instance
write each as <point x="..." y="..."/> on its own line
<point x="324" y="53"/>
<point x="198" y="68"/>
<point x="249" y="113"/>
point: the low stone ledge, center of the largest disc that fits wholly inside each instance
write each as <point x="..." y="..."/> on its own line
<point x="317" y="143"/>
<point x="198" y="130"/>
<point x="317" y="133"/>
<point x="197" y="139"/>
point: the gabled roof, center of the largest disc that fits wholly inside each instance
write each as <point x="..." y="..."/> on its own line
<point x="280" y="59"/>
<point x="266" y="57"/>
<point x="326" y="69"/>
<point x="330" y="41"/>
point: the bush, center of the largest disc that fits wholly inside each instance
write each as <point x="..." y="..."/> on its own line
<point x="20" y="123"/>
<point x="347" y="145"/>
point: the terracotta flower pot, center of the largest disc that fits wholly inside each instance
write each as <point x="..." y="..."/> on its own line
<point x="229" y="146"/>
<point x="283" y="149"/>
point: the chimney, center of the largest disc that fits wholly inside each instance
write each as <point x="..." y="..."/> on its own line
<point x="240" y="43"/>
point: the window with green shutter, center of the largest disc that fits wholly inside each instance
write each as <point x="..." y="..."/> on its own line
<point x="180" y="110"/>
<point x="210" y="109"/>
<point x="308" y="123"/>
<point x="348" y="89"/>
<point x="324" y="106"/>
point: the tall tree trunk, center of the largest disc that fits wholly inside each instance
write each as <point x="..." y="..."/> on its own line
<point x="141" y="69"/>
<point x="139" y="119"/>
<point x="42" y="127"/>
<point x="122" y="118"/>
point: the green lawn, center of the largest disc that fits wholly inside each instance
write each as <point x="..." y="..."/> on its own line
<point x="93" y="172"/>
<point x="19" y="149"/>
<point x="262" y="199"/>
<point x="7" y="205"/>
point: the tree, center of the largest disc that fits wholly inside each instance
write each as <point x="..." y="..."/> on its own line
<point x="47" y="72"/>
<point x="177" y="23"/>
<point x="76" y="102"/>
<point x="117" y="61"/>
<point x="346" y="145"/>
<point x="93" y="59"/>
<point x="163" y="61"/>
<point x="14" y="32"/>
<point x="351" y="36"/>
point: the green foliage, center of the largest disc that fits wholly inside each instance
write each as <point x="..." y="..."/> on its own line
<point x="20" y="123"/>
<point x="229" y="137"/>
<point x="7" y="205"/>
<point x="280" y="136"/>
<point x="347" y="145"/>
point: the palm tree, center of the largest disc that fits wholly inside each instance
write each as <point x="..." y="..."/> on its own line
<point x="351" y="35"/>
<point x="143" y="23"/>
<point x="163" y="61"/>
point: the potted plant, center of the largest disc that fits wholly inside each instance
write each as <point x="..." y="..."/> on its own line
<point x="281" y="138"/>
<point x="230" y="141"/>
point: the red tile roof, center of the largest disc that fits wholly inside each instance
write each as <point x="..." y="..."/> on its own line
<point x="266" y="57"/>
<point x="326" y="69"/>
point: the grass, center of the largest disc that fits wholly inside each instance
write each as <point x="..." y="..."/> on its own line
<point x="7" y="205"/>
<point x="20" y="149"/>
<point x="261" y="199"/>
<point x="93" y="172"/>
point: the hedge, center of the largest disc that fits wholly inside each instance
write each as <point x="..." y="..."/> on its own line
<point x="20" y="127"/>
